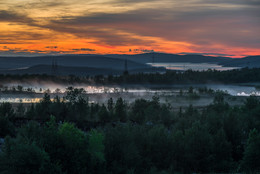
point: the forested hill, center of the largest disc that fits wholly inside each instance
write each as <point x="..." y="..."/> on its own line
<point x="77" y="71"/>
<point x="93" y="61"/>
<point x="111" y="64"/>
<point x="250" y="62"/>
<point x="117" y="61"/>
<point x="171" y="58"/>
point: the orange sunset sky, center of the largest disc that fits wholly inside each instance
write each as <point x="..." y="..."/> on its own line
<point x="209" y="27"/>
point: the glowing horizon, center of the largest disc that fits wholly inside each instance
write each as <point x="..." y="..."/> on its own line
<point x="218" y="28"/>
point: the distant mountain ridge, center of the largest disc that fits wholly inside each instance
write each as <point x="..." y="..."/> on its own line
<point x="79" y="71"/>
<point x="250" y="62"/>
<point x="168" y="58"/>
<point x="111" y="64"/>
<point x="94" y="61"/>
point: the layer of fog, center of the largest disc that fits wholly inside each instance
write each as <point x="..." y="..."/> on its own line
<point x="130" y="93"/>
<point x="234" y="90"/>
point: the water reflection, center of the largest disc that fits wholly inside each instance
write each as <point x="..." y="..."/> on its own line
<point x="193" y="66"/>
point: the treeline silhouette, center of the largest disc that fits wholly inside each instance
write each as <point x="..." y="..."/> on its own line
<point x="70" y="135"/>
<point x="244" y="75"/>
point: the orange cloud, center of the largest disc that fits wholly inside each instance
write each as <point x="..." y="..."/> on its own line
<point x="229" y="27"/>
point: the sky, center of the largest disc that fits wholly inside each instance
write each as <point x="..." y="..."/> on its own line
<point x="210" y="27"/>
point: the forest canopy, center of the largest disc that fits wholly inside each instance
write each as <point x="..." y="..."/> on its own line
<point x="146" y="136"/>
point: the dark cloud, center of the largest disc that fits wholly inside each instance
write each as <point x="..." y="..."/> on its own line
<point x="45" y="4"/>
<point x="128" y="2"/>
<point x="84" y="49"/>
<point x="39" y="5"/>
<point x="104" y="35"/>
<point x="52" y="47"/>
<point x="235" y="2"/>
<point x="205" y="27"/>
<point x="141" y="50"/>
<point x="25" y="52"/>
<point x="33" y="52"/>
<point x="133" y="1"/>
<point x="22" y="37"/>
<point x="131" y="17"/>
<point x="211" y="23"/>
<point x="10" y="16"/>
<point x="8" y="42"/>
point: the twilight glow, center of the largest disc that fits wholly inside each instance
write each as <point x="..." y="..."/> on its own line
<point x="212" y="27"/>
